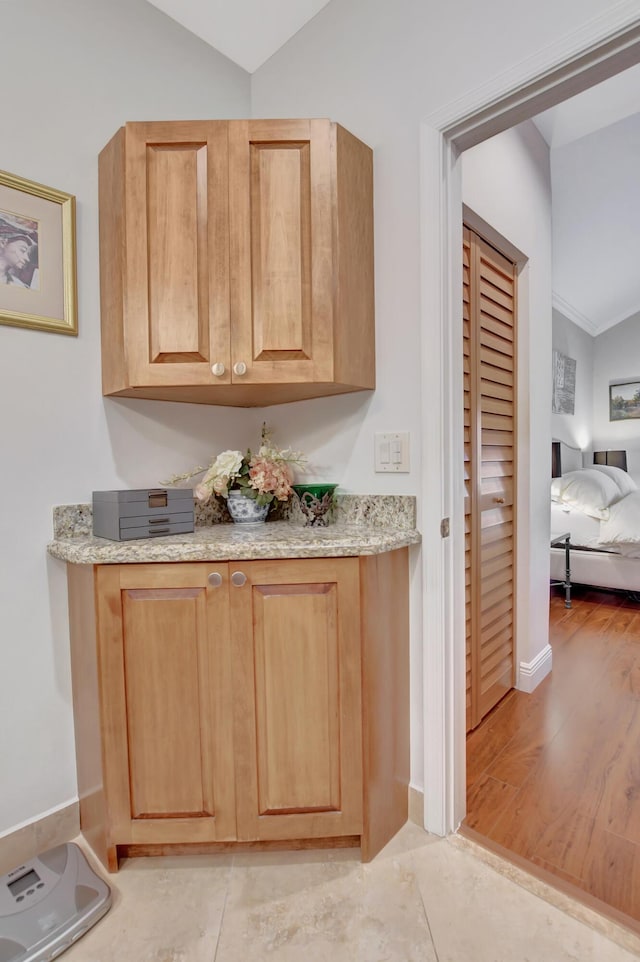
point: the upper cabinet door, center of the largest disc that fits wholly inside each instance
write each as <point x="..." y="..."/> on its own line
<point x="169" y="215"/>
<point x="280" y="250"/>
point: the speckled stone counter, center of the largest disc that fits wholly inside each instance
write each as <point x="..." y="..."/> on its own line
<point x="364" y="525"/>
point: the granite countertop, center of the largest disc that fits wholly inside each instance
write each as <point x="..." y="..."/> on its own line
<point x="364" y="525"/>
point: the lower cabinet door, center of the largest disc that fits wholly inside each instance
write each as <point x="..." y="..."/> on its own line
<point x="166" y="702"/>
<point x="295" y="627"/>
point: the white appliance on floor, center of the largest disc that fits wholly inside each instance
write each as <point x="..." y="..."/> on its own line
<point x="47" y="903"/>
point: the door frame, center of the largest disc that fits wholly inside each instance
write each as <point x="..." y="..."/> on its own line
<point x="601" y="48"/>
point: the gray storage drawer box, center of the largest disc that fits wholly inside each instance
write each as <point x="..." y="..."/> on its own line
<point x="143" y="513"/>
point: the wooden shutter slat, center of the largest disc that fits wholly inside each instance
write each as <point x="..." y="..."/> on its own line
<point x="497" y="469"/>
<point x="490" y="294"/>
<point x="503" y="362"/>
<point x="493" y="389"/>
<point x="498" y="532"/>
<point x="503" y="621"/>
<point x="489" y="599"/>
<point x="504" y="546"/>
<point x="496" y="343"/>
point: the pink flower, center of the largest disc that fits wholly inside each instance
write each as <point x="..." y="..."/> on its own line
<point x="267" y="476"/>
<point x="202" y="491"/>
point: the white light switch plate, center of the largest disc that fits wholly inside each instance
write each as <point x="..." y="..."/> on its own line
<point x="392" y="452"/>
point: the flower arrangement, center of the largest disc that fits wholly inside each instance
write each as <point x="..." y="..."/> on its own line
<point x="264" y="477"/>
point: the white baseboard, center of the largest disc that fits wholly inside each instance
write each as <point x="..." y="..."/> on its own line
<point x="531" y="673"/>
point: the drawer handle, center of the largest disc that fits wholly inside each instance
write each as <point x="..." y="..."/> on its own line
<point x="158" y="520"/>
<point x="158" y="531"/>
<point x="238" y="579"/>
<point x="215" y="579"/>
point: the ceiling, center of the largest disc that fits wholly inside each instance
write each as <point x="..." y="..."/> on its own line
<point x="593" y="137"/>
<point x="595" y="179"/>
<point x="246" y="31"/>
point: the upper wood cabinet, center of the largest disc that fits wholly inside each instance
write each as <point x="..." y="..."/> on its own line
<point x="236" y="261"/>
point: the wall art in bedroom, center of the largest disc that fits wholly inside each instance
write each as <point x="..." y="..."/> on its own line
<point x="624" y="400"/>
<point x="564" y="384"/>
<point x="37" y="256"/>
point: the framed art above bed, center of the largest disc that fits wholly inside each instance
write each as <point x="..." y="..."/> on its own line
<point x="624" y="400"/>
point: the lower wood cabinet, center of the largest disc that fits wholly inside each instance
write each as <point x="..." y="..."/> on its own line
<point x="256" y="702"/>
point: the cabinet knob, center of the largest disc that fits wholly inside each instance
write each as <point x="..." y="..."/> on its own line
<point x="215" y="579"/>
<point x="218" y="369"/>
<point x="499" y="500"/>
<point x="238" y="579"/>
<point x="239" y="368"/>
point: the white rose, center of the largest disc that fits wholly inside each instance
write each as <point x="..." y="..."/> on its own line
<point x="228" y="464"/>
<point x="220" y="485"/>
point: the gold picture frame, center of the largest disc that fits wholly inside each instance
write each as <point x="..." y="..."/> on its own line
<point x="37" y="256"/>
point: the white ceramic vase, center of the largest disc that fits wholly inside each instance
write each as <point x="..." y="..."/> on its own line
<point x="246" y="511"/>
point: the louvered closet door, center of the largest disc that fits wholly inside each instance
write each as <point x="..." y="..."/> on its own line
<point x="468" y="460"/>
<point x="490" y="343"/>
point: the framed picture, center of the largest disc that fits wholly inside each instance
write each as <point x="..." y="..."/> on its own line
<point x="564" y="384"/>
<point x="37" y="256"/>
<point x="624" y="400"/>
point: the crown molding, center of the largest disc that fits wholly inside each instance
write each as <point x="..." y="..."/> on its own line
<point x="573" y="314"/>
<point x="618" y="320"/>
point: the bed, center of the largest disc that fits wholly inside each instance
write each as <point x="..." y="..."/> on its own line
<point x="599" y="506"/>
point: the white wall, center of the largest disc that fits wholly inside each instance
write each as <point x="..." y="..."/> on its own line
<point x="616" y="358"/>
<point x="597" y="189"/>
<point x="506" y="181"/>
<point x="380" y="68"/>
<point x="575" y="429"/>
<point x="78" y="69"/>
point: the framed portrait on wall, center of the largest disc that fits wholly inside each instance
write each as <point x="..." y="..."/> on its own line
<point x="37" y="256"/>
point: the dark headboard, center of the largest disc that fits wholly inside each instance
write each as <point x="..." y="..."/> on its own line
<point x="564" y="457"/>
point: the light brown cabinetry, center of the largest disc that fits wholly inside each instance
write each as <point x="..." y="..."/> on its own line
<point x="298" y="712"/>
<point x="236" y="261"/>
<point x="258" y="701"/>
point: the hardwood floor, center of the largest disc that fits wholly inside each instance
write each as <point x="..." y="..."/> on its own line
<point x="553" y="778"/>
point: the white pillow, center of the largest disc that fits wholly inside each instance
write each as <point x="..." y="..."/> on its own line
<point x="589" y="491"/>
<point x="624" y="481"/>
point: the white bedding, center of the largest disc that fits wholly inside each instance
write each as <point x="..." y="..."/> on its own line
<point x="600" y="508"/>
<point x="584" y="531"/>
<point x="621" y="530"/>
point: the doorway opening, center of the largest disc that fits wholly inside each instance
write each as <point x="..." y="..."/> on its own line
<point x="443" y="138"/>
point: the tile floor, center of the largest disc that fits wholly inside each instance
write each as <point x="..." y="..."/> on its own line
<point x="423" y="899"/>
